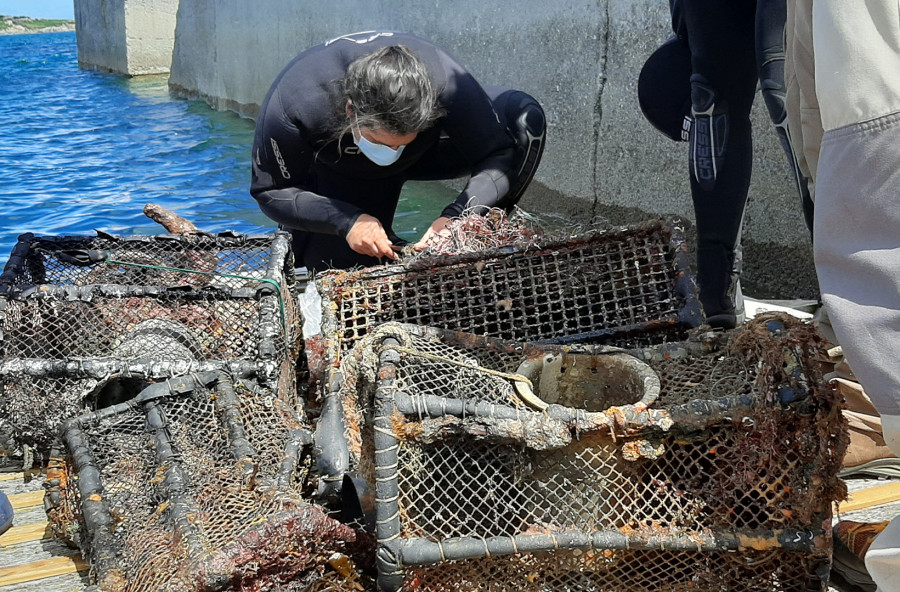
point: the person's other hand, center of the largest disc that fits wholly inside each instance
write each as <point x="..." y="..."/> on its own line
<point x="368" y="237"/>
<point x="437" y="229"/>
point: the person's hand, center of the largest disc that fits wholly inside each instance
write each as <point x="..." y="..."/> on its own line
<point x="437" y="229"/>
<point x="368" y="237"/>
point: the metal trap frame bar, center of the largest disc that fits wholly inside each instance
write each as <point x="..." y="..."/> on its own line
<point x="195" y="484"/>
<point x="752" y="473"/>
<point x="630" y="285"/>
<point x="82" y="314"/>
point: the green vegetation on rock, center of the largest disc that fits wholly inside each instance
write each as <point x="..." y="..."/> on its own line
<point x="28" y="24"/>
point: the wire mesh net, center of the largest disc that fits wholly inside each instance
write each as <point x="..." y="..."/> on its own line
<point x="503" y="466"/>
<point x="89" y="321"/>
<point x="606" y="570"/>
<point x="196" y="484"/>
<point x="624" y="286"/>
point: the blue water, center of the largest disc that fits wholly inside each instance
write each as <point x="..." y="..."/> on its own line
<point x="83" y="150"/>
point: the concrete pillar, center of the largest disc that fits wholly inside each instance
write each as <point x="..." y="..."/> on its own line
<point x="132" y="37"/>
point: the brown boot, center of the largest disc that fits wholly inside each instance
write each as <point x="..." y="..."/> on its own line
<point x="851" y="542"/>
<point x="867" y="455"/>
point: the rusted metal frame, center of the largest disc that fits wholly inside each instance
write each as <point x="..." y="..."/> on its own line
<point x="635" y="329"/>
<point x="176" y="483"/>
<point x="647" y="228"/>
<point x="331" y="283"/>
<point x="625" y="419"/>
<point x="333" y="458"/>
<point x="227" y="406"/>
<point x="18" y="259"/>
<point x="333" y="286"/>
<point x="228" y="239"/>
<point x="387" y="489"/>
<point x="100" y="524"/>
<point x="273" y="329"/>
<point x="277" y="243"/>
<point x="435" y="406"/>
<point x="331" y="331"/>
<point x="278" y="267"/>
<point x="89" y="292"/>
<point x="299" y="440"/>
<point x="273" y="335"/>
<point x="111" y="368"/>
<point x="415" y="552"/>
<point x="95" y="511"/>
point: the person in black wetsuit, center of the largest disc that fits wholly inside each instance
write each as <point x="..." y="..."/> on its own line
<point x="699" y="87"/>
<point x="348" y="122"/>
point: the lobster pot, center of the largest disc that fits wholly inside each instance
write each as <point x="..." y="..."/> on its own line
<point x="624" y="286"/>
<point x="195" y="484"/>
<point x="709" y="464"/>
<point x="89" y="321"/>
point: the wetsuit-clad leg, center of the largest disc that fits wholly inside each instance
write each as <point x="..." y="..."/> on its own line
<point x="524" y="119"/>
<point x="723" y="85"/>
<point x="770" y="22"/>
<point x="699" y="87"/>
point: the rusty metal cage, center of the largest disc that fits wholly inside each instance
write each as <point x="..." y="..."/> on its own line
<point x="197" y="484"/>
<point x="707" y="464"/>
<point x="89" y="321"/>
<point x="624" y="286"/>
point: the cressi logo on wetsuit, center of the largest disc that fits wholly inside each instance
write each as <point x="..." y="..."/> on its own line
<point x="361" y="37"/>
<point x="280" y="159"/>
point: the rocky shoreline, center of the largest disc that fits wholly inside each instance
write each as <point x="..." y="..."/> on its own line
<point x="20" y="30"/>
<point x="15" y="25"/>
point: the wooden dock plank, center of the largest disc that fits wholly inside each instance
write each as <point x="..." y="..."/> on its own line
<point x="20" y="501"/>
<point x="27" y="552"/>
<point x="871" y="496"/>
<point x="72" y="582"/>
<point x="37" y="570"/>
<point x="25" y="533"/>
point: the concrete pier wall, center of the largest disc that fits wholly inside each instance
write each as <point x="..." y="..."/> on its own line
<point x="579" y="58"/>
<point x="132" y="37"/>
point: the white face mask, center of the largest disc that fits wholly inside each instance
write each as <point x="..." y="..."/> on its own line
<point x="378" y="153"/>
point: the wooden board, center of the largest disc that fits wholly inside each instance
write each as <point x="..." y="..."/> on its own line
<point x="25" y="533"/>
<point x="871" y="496"/>
<point x="39" y="570"/>
<point x="26" y="500"/>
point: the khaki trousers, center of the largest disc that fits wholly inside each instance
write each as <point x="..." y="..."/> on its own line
<point x="844" y="60"/>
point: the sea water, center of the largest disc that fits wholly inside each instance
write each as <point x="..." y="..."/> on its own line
<point x="82" y="150"/>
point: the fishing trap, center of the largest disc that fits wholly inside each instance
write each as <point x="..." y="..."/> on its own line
<point x="196" y="484"/>
<point x="88" y="322"/>
<point x="705" y="465"/>
<point x="625" y="286"/>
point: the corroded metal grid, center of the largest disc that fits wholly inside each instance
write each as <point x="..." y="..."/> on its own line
<point x="89" y="321"/>
<point x="196" y="484"/>
<point x="606" y="570"/>
<point x="156" y="260"/>
<point x="737" y="459"/>
<point x="627" y="286"/>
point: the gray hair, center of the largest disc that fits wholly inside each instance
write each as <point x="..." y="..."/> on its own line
<point x="390" y="89"/>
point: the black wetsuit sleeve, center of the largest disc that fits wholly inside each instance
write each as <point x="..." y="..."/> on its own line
<point x="282" y="158"/>
<point x="473" y="127"/>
